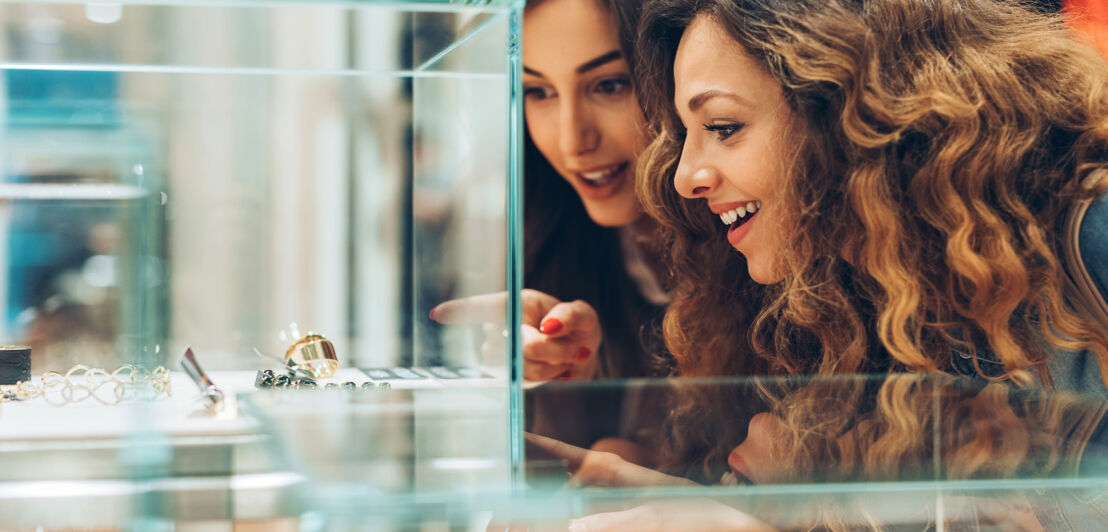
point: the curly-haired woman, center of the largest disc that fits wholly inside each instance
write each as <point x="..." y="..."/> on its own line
<point x="894" y="175"/>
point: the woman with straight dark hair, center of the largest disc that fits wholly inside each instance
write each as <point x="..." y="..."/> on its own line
<point x="593" y="303"/>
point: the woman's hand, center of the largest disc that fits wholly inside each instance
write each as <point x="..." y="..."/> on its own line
<point x="603" y="468"/>
<point x="606" y="469"/>
<point x="560" y="339"/>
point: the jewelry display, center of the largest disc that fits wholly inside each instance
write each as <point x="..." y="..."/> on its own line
<point x="81" y="383"/>
<point x="268" y="378"/>
<point x="314" y="353"/>
<point x="306" y="361"/>
<point x="211" y="394"/>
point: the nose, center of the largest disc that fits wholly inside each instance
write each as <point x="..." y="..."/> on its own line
<point x="578" y="133"/>
<point x="693" y="178"/>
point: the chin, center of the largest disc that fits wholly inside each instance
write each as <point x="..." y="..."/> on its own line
<point x="762" y="274"/>
<point x="614" y="217"/>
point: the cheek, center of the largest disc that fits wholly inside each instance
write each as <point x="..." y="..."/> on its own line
<point x="765" y="263"/>
<point x="542" y="125"/>
<point x="626" y="127"/>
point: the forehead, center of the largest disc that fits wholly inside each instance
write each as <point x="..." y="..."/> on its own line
<point x="567" y="32"/>
<point x="709" y="59"/>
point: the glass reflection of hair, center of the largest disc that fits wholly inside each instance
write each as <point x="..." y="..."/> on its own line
<point x="934" y="148"/>
<point x="903" y="427"/>
<point x="919" y="427"/>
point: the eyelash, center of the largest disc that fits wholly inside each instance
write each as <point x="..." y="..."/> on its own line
<point x="611" y="87"/>
<point x="723" y="131"/>
<point x="617" y="86"/>
<point x="539" y="93"/>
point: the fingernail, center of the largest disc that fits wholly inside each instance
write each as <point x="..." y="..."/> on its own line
<point x="550" y="326"/>
<point x="583" y="354"/>
<point x="431" y="314"/>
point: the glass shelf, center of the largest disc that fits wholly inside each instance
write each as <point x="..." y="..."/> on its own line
<point x="230" y="177"/>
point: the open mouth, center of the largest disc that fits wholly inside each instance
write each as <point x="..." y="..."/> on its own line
<point x="734" y="478"/>
<point x="738" y="216"/>
<point x="738" y="220"/>
<point x="602" y="177"/>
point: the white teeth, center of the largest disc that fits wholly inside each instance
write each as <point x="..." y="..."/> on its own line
<point x="732" y="215"/>
<point x="600" y="174"/>
<point x="729" y="479"/>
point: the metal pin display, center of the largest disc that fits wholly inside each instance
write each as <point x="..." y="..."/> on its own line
<point x="212" y="395"/>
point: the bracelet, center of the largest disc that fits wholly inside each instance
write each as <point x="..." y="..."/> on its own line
<point x="81" y="383"/>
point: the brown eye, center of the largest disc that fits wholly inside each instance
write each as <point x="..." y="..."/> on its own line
<point x="613" y="86"/>
<point x="537" y="93"/>
<point x="723" y="131"/>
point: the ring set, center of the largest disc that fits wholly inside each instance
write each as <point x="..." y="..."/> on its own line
<point x="268" y="378"/>
<point x="314" y="355"/>
<point x="308" y="360"/>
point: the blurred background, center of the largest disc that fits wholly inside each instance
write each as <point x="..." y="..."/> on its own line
<point x="232" y="177"/>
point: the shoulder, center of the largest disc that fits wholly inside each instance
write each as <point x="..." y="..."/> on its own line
<point x="1076" y="371"/>
<point x="1093" y="243"/>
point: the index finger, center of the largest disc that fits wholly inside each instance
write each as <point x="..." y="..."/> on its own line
<point x="572" y="454"/>
<point x="474" y="309"/>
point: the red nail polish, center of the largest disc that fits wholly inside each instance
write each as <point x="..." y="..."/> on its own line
<point x="431" y="314"/>
<point x="550" y="326"/>
<point x="583" y="354"/>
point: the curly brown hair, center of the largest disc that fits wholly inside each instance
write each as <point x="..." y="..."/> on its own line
<point x="939" y="143"/>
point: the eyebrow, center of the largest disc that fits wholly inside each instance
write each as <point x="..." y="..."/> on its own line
<point x="591" y="64"/>
<point x="700" y="99"/>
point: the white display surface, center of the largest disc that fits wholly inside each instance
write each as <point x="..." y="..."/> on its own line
<point x="179" y="414"/>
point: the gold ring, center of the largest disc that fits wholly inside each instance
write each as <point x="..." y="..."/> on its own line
<point x="314" y="353"/>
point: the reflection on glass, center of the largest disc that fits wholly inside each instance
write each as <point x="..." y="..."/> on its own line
<point x="950" y="450"/>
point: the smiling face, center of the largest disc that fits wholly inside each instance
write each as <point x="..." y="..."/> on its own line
<point x="754" y="461"/>
<point x="759" y="458"/>
<point x="737" y="121"/>
<point x="580" y="109"/>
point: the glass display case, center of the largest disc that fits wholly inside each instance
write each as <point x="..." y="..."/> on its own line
<point x="225" y="227"/>
<point x="236" y="178"/>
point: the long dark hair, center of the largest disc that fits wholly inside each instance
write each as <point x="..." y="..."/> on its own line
<point x="569" y="256"/>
